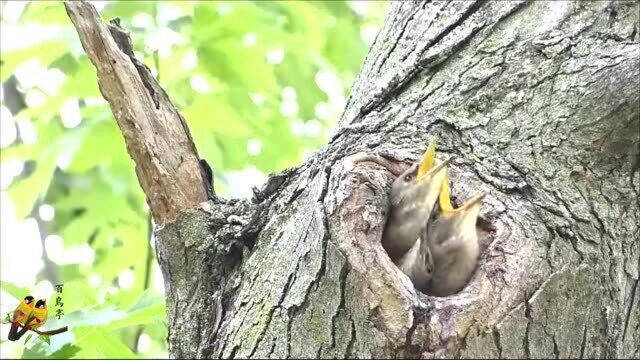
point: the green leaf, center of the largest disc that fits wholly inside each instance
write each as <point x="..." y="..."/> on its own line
<point x="79" y="230"/>
<point x="37" y="351"/>
<point x="98" y="137"/>
<point x="66" y="352"/>
<point x="125" y="10"/>
<point x="103" y="214"/>
<point x="213" y="113"/>
<point x="345" y="38"/>
<point x="46" y="12"/>
<point x="76" y="295"/>
<point x="45" y="52"/>
<point x="91" y="317"/>
<point x="150" y="309"/>
<point x="28" y="338"/>
<point x="16" y="291"/>
<point x="76" y="84"/>
<point x="96" y="342"/>
<point x="45" y="338"/>
<point x="25" y="193"/>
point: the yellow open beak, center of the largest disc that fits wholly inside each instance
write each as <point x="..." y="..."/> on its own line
<point x="445" y="201"/>
<point x="427" y="161"/>
<point x="471" y="202"/>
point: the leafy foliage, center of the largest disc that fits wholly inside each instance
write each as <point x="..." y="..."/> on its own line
<point x="260" y="83"/>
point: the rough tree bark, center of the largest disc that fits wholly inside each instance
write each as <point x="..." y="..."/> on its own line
<point x="157" y="137"/>
<point x="539" y="104"/>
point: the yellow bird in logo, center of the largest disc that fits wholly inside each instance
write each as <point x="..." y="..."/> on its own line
<point x="39" y="314"/>
<point x="20" y="315"/>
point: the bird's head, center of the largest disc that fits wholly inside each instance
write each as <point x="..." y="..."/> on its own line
<point x="466" y="214"/>
<point x="421" y="181"/>
<point x="28" y="300"/>
<point x="41" y="304"/>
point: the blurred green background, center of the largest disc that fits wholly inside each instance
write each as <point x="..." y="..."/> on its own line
<point x="261" y="85"/>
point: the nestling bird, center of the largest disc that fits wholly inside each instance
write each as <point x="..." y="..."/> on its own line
<point x="453" y="243"/>
<point x="417" y="263"/>
<point x="20" y="314"/>
<point x="412" y="198"/>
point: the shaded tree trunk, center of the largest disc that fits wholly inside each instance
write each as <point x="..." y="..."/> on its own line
<point x="538" y="102"/>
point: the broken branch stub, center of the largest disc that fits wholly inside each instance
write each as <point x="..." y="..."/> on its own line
<point x="157" y="137"/>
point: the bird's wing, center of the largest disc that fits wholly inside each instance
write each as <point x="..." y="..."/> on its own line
<point x="15" y="317"/>
<point x="417" y="266"/>
<point x="425" y="244"/>
<point x="44" y="318"/>
<point x="39" y="320"/>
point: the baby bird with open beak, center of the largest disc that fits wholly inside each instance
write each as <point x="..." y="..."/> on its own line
<point x="453" y="243"/>
<point x="412" y="199"/>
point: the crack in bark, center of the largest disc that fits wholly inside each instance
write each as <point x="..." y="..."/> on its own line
<point x="426" y="96"/>
<point x="631" y="304"/>
<point x="584" y="342"/>
<point x="556" y="352"/>
<point x="428" y="28"/>
<point x="273" y="347"/>
<point x="227" y="341"/>
<point x="121" y="38"/>
<point x="352" y="339"/>
<point x="525" y="340"/>
<point x="496" y="340"/>
<point x="421" y="313"/>
<point x="400" y="80"/>
<point x="411" y="350"/>
<point x="209" y="346"/>
<point x="233" y="351"/>
<point x="293" y="276"/>
<point x="570" y="235"/>
<point x="263" y="331"/>
<point x="289" y="324"/>
<point x="398" y="38"/>
<point x="344" y="272"/>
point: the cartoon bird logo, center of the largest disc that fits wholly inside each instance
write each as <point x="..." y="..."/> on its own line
<point x="20" y="315"/>
<point x="31" y="316"/>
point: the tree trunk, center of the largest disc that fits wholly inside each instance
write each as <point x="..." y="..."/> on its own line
<point x="538" y="103"/>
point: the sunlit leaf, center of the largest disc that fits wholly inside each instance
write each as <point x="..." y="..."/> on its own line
<point x="45" y="52"/>
<point x="142" y="314"/>
<point x="66" y="352"/>
<point x="45" y="338"/>
<point x="25" y="193"/>
<point x="17" y="292"/>
<point x="95" y="342"/>
<point x="99" y="143"/>
<point x="46" y="12"/>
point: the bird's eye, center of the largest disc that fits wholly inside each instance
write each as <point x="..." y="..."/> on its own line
<point x="408" y="177"/>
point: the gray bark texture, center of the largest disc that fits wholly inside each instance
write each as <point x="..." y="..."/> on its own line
<point x="538" y="104"/>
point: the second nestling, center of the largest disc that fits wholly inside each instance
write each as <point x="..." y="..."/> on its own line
<point x="435" y="246"/>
